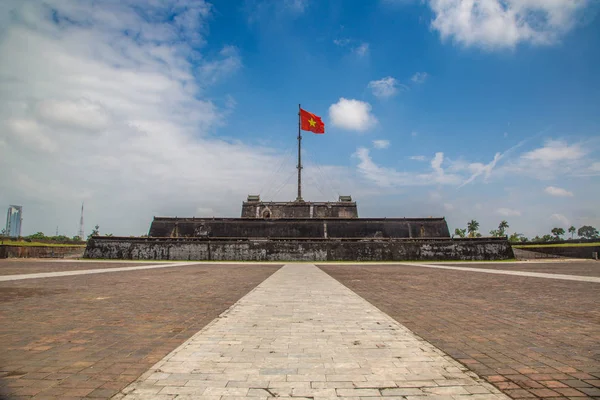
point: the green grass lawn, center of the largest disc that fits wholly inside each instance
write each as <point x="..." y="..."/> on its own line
<point x="525" y="246"/>
<point x="37" y="244"/>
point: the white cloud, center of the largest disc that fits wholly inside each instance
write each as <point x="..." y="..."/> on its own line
<point x="362" y="49"/>
<point x="297" y="6"/>
<point x="229" y="61"/>
<point x="556" y="191"/>
<point x="436" y="162"/>
<point x="561" y="218"/>
<point x="352" y="114"/>
<point x="414" y="134"/>
<point x="386" y="87"/>
<point x="342" y="42"/>
<point x="507" y="212"/>
<point x="504" y="23"/>
<point x="448" y="207"/>
<point x="31" y="134"/>
<point x="478" y="169"/>
<point x="357" y="47"/>
<point x="80" y="115"/>
<point x="106" y="105"/>
<point x="554" y="158"/>
<point x="418" y="158"/>
<point x="266" y="11"/>
<point x="419" y="77"/>
<point x="381" y="144"/>
<point x="389" y="177"/>
<point x="555" y="151"/>
<point x="595" y="167"/>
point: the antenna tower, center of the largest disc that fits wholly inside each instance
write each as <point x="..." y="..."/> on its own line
<point x="81" y="228"/>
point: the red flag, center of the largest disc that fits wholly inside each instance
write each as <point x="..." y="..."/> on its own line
<point x="310" y="122"/>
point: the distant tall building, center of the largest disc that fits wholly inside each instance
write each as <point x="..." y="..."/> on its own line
<point x="14" y="217"/>
<point x="81" y="232"/>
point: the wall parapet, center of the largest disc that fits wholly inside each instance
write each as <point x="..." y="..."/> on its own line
<point x="10" y="251"/>
<point x="299" y="228"/>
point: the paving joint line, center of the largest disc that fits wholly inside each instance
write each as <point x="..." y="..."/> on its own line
<point x="508" y="272"/>
<point x="40" y="275"/>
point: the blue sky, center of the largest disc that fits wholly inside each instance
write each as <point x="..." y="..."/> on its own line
<point x="486" y="110"/>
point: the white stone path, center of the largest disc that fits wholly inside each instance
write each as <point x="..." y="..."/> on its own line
<point x="302" y="334"/>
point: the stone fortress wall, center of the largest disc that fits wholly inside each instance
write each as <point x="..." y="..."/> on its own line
<point x="223" y="249"/>
<point x="300" y="228"/>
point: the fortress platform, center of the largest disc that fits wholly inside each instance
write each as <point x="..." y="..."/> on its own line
<point x="298" y="231"/>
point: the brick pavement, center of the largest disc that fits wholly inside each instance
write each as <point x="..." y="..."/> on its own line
<point x="302" y="334"/>
<point x="571" y="267"/>
<point x="91" y="335"/>
<point x="497" y="271"/>
<point x="58" y="274"/>
<point x="29" y="266"/>
<point x="531" y="337"/>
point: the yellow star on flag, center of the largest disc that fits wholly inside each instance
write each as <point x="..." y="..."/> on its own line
<point x="310" y="122"/>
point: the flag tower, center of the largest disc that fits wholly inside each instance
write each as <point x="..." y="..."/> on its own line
<point x="306" y="122"/>
<point x="299" y="198"/>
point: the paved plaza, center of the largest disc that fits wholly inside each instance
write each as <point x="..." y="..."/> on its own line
<point x="233" y="330"/>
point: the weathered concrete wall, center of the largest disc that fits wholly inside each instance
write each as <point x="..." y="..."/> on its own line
<point x="568" y="252"/>
<point x="262" y="209"/>
<point x="317" y="228"/>
<point x="522" y="254"/>
<point x="298" y="249"/>
<point x="8" y="251"/>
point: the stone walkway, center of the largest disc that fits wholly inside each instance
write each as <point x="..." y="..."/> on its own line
<point x="302" y="334"/>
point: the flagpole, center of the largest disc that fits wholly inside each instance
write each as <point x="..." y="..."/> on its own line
<point x="299" y="198"/>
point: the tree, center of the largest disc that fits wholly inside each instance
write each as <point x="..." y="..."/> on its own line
<point x="502" y="228"/>
<point x="516" y="237"/>
<point x="95" y="232"/>
<point x="547" y="238"/>
<point x="37" y="236"/>
<point x="460" y="232"/>
<point x="60" y="239"/>
<point x="557" y="232"/>
<point x="472" y="228"/>
<point x="588" y="232"/>
<point x="572" y="231"/>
